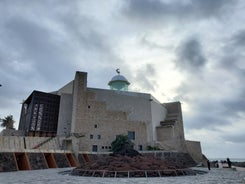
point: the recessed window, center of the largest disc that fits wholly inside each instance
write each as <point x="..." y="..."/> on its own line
<point x="140" y="147"/>
<point x="99" y="136"/>
<point x="94" y="148"/>
<point x="103" y="147"/>
<point x="131" y="135"/>
<point x="89" y="106"/>
<point x="109" y="147"/>
<point x="106" y="147"/>
<point x="91" y="136"/>
<point x="95" y="126"/>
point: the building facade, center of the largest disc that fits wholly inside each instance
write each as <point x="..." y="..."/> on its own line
<point x="89" y="119"/>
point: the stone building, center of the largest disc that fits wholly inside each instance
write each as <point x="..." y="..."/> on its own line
<point x="89" y="119"/>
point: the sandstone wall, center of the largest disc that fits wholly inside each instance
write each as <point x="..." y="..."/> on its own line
<point x="195" y="150"/>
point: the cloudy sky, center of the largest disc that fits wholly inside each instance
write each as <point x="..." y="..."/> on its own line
<point x="190" y="51"/>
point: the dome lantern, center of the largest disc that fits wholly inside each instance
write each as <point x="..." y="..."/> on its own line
<point x="119" y="82"/>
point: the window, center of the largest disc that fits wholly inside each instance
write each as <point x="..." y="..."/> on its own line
<point x="95" y="126"/>
<point x="140" y="147"/>
<point x="91" y="136"/>
<point x="99" y="136"/>
<point x="131" y="135"/>
<point x="103" y="147"/>
<point x="94" y="148"/>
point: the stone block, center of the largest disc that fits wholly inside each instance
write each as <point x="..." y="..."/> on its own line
<point x="7" y="162"/>
<point x="61" y="160"/>
<point x="37" y="161"/>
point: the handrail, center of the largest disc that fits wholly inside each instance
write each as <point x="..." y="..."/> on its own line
<point x="42" y="143"/>
<point x="134" y="173"/>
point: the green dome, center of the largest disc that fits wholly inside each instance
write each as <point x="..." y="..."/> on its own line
<point x="119" y="82"/>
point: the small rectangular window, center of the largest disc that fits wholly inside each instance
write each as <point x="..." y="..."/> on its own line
<point x="140" y="147"/>
<point x="99" y="136"/>
<point x="91" y="136"/>
<point x="131" y="135"/>
<point x="94" y="148"/>
<point x="95" y="126"/>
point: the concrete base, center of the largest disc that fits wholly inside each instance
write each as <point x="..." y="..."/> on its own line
<point x="15" y="161"/>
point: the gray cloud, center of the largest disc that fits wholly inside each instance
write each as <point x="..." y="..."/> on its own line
<point x="190" y="55"/>
<point x="206" y="111"/>
<point x="238" y="40"/>
<point x="152" y="45"/>
<point x="49" y="43"/>
<point x="231" y="63"/>
<point x="42" y="49"/>
<point x="158" y="10"/>
<point x="35" y="48"/>
<point x="211" y="103"/>
<point x="234" y="137"/>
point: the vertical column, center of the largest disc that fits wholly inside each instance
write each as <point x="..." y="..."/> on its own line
<point x="79" y="88"/>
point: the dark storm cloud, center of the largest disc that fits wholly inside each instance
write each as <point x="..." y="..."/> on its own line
<point x="190" y="55"/>
<point x="35" y="43"/>
<point x="43" y="44"/>
<point x="153" y="10"/>
<point x="231" y="62"/>
<point x="51" y="51"/>
<point x="216" y="106"/>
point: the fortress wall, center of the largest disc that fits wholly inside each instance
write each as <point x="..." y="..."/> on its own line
<point x="135" y="105"/>
<point x="175" y="113"/>
<point x="108" y="135"/>
<point x="195" y="150"/>
<point x="158" y="112"/>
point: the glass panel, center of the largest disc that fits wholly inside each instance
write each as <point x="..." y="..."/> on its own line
<point x="131" y="135"/>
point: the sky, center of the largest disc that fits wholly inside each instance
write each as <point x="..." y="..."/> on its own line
<point x="190" y="51"/>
